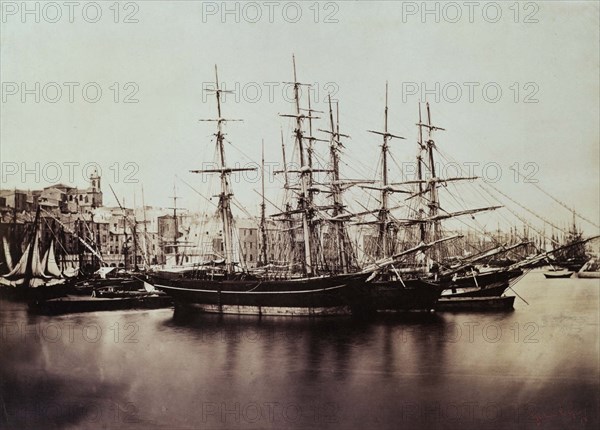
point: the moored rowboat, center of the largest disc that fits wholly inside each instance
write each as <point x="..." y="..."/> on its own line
<point x="475" y="304"/>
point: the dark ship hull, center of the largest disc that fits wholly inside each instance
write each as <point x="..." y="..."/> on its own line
<point x="40" y="293"/>
<point x="481" y="304"/>
<point x="75" y="304"/>
<point x="327" y="295"/>
<point x="558" y="275"/>
<point x="411" y="295"/>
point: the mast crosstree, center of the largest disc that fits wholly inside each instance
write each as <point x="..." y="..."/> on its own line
<point x="224" y="171"/>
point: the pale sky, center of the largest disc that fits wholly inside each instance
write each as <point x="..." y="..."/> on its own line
<point x="547" y="71"/>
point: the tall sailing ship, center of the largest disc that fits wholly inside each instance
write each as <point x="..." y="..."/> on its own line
<point x="460" y="273"/>
<point x="415" y="278"/>
<point x="229" y="288"/>
<point x="393" y="289"/>
<point x="403" y="274"/>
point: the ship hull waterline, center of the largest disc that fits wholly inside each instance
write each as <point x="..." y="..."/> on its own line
<point x="335" y="295"/>
<point x="78" y="304"/>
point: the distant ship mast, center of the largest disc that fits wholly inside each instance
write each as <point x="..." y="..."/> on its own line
<point x="263" y="207"/>
<point x="175" y="226"/>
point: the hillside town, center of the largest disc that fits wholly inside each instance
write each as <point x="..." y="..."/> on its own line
<point x="124" y="237"/>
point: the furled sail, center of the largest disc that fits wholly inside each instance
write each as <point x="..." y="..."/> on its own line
<point x="37" y="268"/>
<point x="21" y="266"/>
<point x="51" y="264"/>
<point x="7" y="256"/>
<point x="149" y="287"/>
<point x="44" y="261"/>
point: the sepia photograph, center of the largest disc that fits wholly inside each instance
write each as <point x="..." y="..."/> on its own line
<point x="300" y="214"/>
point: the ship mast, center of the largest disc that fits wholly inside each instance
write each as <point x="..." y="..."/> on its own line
<point x="336" y="189"/>
<point x="288" y="207"/>
<point x="263" y="207"/>
<point x="385" y="248"/>
<point x="135" y="244"/>
<point x="310" y="148"/>
<point x="146" y="245"/>
<point x="432" y="184"/>
<point x="125" y="249"/>
<point x="422" y="235"/>
<point x="383" y="213"/>
<point x="305" y="179"/>
<point x="226" y="195"/>
<point x="134" y="233"/>
<point x="175" y="226"/>
<point x="434" y="218"/>
<point x="433" y="194"/>
<point x="311" y="189"/>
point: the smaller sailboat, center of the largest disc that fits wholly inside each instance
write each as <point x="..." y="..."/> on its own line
<point x="557" y="273"/>
<point x="35" y="278"/>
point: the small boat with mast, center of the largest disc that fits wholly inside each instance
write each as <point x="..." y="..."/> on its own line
<point x="48" y="290"/>
<point x="34" y="278"/>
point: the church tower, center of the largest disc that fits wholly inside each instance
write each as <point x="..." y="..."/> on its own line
<point x="95" y="192"/>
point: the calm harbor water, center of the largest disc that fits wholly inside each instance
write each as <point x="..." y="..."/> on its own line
<point x="535" y="367"/>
